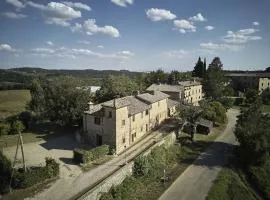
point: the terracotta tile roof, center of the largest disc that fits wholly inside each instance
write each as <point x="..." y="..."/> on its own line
<point x="152" y="98"/>
<point x="165" y="88"/>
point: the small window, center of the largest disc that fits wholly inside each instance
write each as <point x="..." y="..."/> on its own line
<point x="133" y="118"/>
<point x="110" y="114"/>
<point x="123" y="140"/>
<point x="97" y="120"/>
<point x="141" y="128"/>
<point x="135" y="134"/>
<point x="146" y="112"/>
<point x="123" y="122"/>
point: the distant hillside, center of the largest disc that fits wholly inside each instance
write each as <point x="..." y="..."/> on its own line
<point x="87" y="73"/>
<point x="21" y="78"/>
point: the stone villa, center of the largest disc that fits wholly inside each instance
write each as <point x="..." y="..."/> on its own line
<point x="121" y="122"/>
<point x="243" y="81"/>
<point x="185" y="91"/>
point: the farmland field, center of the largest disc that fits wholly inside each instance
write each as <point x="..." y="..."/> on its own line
<point x="13" y="101"/>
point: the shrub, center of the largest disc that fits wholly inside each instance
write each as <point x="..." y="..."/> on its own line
<point x="227" y="102"/>
<point x="16" y="127"/>
<point x="238" y="101"/>
<point x="5" y="173"/>
<point x="85" y="156"/>
<point x="35" y="175"/>
<point x="4" y="128"/>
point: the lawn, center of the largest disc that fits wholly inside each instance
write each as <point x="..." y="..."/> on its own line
<point x="13" y="101"/>
<point x="266" y="108"/>
<point x="228" y="185"/>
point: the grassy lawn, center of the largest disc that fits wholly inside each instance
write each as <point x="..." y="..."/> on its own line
<point x="266" y="108"/>
<point x="13" y="101"/>
<point x="11" y="140"/>
<point x="228" y="185"/>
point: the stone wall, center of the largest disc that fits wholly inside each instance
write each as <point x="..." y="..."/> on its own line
<point x="119" y="176"/>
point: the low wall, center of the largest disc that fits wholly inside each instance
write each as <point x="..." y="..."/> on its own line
<point x="125" y="171"/>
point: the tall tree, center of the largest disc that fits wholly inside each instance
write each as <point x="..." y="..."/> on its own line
<point x="116" y="85"/>
<point x="214" y="81"/>
<point x="216" y="64"/>
<point x="37" y="102"/>
<point x="198" y="69"/>
<point x="61" y="101"/>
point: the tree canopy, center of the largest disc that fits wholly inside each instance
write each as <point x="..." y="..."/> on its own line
<point x="116" y="85"/>
<point x="200" y="68"/>
<point x="59" y="100"/>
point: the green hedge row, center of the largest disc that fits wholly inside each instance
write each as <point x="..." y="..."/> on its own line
<point x="85" y="156"/>
<point x="21" y="179"/>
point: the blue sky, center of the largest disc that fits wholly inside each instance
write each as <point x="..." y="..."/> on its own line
<point x="138" y="35"/>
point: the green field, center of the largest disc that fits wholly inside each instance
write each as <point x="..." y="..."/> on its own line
<point x="266" y="108"/>
<point x="13" y="101"/>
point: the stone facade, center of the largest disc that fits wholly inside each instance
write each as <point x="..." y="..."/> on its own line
<point x="185" y="91"/>
<point x="244" y="81"/>
<point x="121" y="122"/>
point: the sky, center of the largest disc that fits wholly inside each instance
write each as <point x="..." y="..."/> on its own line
<point x="136" y="35"/>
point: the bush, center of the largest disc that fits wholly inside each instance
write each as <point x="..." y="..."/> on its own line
<point x="4" y="128"/>
<point x="227" y="102"/>
<point x="85" y="156"/>
<point x="16" y="127"/>
<point x="238" y="101"/>
<point x="5" y="173"/>
<point x="35" y="175"/>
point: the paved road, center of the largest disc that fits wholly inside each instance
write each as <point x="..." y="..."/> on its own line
<point x="198" y="178"/>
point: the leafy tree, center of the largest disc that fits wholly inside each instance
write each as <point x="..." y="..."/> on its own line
<point x="216" y="64"/>
<point x="267" y="69"/>
<point x="191" y="115"/>
<point x="251" y="96"/>
<point x="4" y="128"/>
<point x="253" y="134"/>
<point x="59" y="100"/>
<point x="266" y="97"/>
<point x="16" y="127"/>
<point x="199" y="69"/>
<point x="228" y="91"/>
<point x="116" y="85"/>
<point x="214" y="81"/>
<point x="215" y="112"/>
<point x="227" y="102"/>
<point x="37" y="102"/>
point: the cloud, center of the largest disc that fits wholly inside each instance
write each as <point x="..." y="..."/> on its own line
<point x="256" y="23"/>
<point x="16" y="3"/>
<point x="100" y="46"/>
<point x="84" y="42"/>
<point x="7" y="48"/>
<point x="77" y="5"/>
<point x="198" y="18"/>
<point x="90" y="28"/>
<point x="56" y="13"/>
<point x="50" y="43"/>
<point x="209" y="28"/>
<point x="13" y="15"/>
<point x="176" y="53"/>
<point x="223" y="47"/>
<point x="155" y="14"/>
<point x="122" y="3"/>
<point x="73" y="53"/>
<point x="184" y="26"/>
<point x="242" y="36"/>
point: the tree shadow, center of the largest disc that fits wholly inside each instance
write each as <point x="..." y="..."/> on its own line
<point x="214" y="154"/>
<point x="68" y="161"/>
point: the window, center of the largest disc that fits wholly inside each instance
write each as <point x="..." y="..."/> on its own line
<point x="97" y="120"/>
<point x="141" y="128"/>
<point x="123" y="140"/>
<point x="146" y="127"/>
<point x="146" y="112"/>
<point x="133" y="118"/>
<point x="123" y="122"/>
<point x="110" y="114"/>
<point x="135" y="134"/>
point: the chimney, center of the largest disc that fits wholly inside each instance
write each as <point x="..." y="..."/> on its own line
<point x="91" y="105"/>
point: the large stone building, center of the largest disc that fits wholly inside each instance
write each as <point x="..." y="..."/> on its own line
<point x="243" y="81"/>
<point x="185" y="91"/>
<point x="122" y="121"/>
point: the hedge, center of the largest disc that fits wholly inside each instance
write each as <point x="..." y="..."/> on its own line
<point x="85" y="156"/>
<point x="5" y="173"/>
<point x="35" y="175"/>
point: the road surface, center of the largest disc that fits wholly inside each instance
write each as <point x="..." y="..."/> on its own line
<point x="195" y="182"/>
